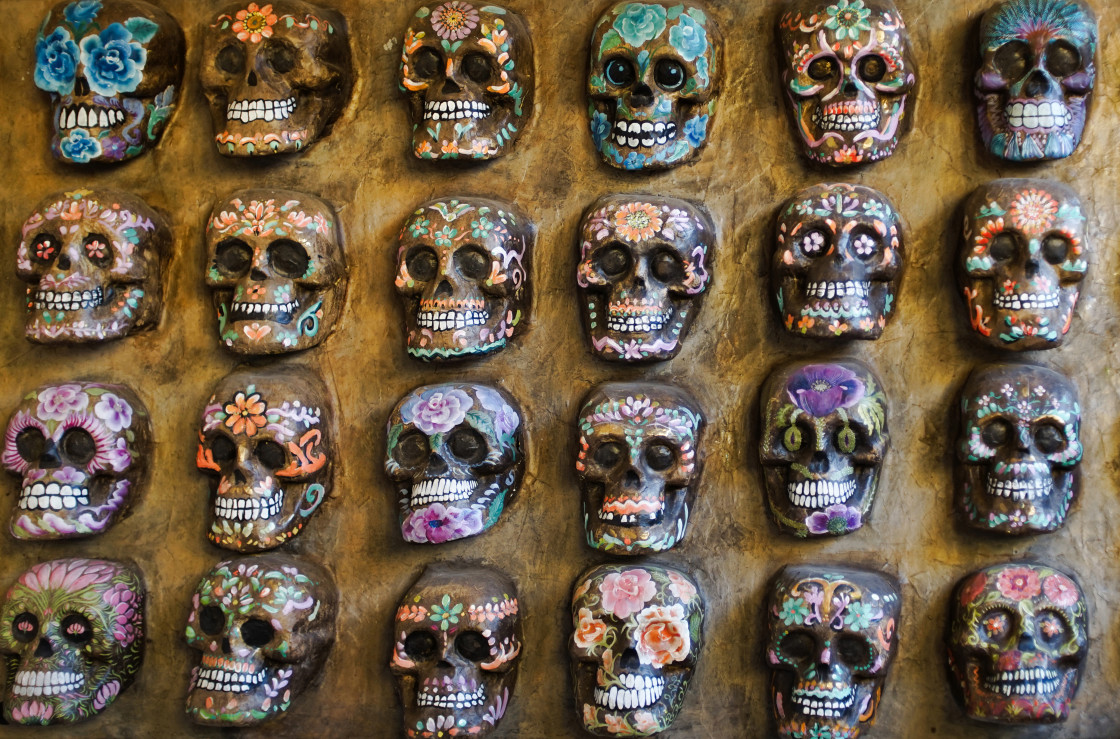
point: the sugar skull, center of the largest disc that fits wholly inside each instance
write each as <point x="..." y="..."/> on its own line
<point x="72" y="635"/>
<point x="1036" y="77"/>
<point x="656" y="71"/>
<point x="266" y="443"/>
<point x="469" y="77"/>
<point x="848" y="76"/>
<point x="639" y="464"/>
<point x="93" y="261"/>
<point x="1019" y="451"/>
<point x="265" y="626"/>
<point x="113" y="69"/>
<point x="637" y="635"/>
<point x="276" y="269"/>
<point x="837" y="262"/>
<point x="823" y="442"/>
<point x="1023" y="255"/>
<point x="83" y="451"/>
<point x="455" y="453"/>
<point x="645" y="264"/>
<point x="276" y="76"/>
<point x="457" y="639"/>
<point x="833" y="634"/>
<point x="463" y="269"/>
<point x="1018" y="641"/>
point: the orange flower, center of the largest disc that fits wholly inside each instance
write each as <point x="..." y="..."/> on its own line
<point x="450" y="147"/>
<point x="245" y="414"/>
<point x="1033" y="211"/>
<point x="590" y="631"/>
<point x="424" y="147"/>
<point x="662" y="635"/>
<point x="254" y="23"/>
<point x="847" y="155"/>
<point x="637" y="221"/>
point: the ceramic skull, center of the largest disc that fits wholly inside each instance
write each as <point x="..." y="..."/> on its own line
<point x="838" y="262"/>
<point x="455" y="452"/>
<point x="824" y="439"/>
<point x="656" y="71"/>
<point x="833" y="635"/>
<point x="277" y="271"/>
<point x="113" y="69"/>
<point x="639" y="465"/>
<point x="72" y="635"/>
<point x="1018" y="641"/>
<point x="82" y="450"/>
<point x="457" y="640"/>
<point x="637" y="636"/>
<point x="645" y="265"/>
<point x="469" y="77"/>
<point x="848" y="75"/>
<point x="463" y="269"/>
<point x="1019" y="449"/>
<point x="1023" y="256"/>
<point x="266" y="442"/>
<point x="265" y="626"/>
<point x="1036" y="77"/>
<point x="276" y="76"/>
<point x="93" y="261"/>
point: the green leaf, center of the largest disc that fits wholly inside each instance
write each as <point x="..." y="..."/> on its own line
<point x="611" y="40"/>
<point x="142" y="29"/>
<point x="698" y="15"/>
<point x="673" y="12"/>
<point x="424" y="13"/>
<point x="493" y="9"/>
<point x="289" y="21"/>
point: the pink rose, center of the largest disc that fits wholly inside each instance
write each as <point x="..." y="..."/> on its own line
<point x="662" y="635"/>
<point x="681" y="587"/>
<point x="1018" y="583"/>
<point x="436" y="410"/>
<point x="627" y="592"/>
<point x="645" y="722"/>
<point x="1061" y="590"/>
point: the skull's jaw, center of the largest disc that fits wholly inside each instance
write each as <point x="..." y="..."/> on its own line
<point x="804" y="708"/>
<point x="53" y="510"/>
<point x="257" y="524"/>
<point x="446" y="509"/>
<point x="625" y="333"/>
<point x="626" y="704"/>
<point x="1026" y="505"/>
<point x="1025" y="696"/>
<point x="276" y="328"/>
<point x="101" y="313"/>
<point x="636" y="527"/>
<point x="814" y="508"/>
<point x="99" y="129"/>
<point x="451" y="330"/>
<point x="1023" y="321"/>
<point x="1030" y="130"/>
<point x="463" y="129"/>
<point x="227" y="692"/>
<point x="253" y="127"/>
<point x="61" y="693"/>
<point x="474" y="713"/>
<point x="632" y="140"/>
<point x="848" y="133"/>
<point x="827" y="309"/>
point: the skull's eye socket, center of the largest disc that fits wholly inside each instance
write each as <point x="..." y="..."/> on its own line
<point x="997" y="433"/>
<point x="660" y="457"/>
<point x="288" y="258"/>
<point x="797" y="645"/>
<point x="473" y="646"/>
<point x="422" y="263"/>
<point x="846" y="440"/>
<point x="78" y="446"/>
<point x="477" y="67"/>
<point x="1013" y="60"/>
<point x="30" y="443"/>
<point x="25" y="627"/>
<point x="864" y="244"/>
<point x="792" y="438"/>
<point x="231" y="59"/>
<point x="1052" y="628"/>
<point x="872" y="68"/>
<point x="619" y="72"/>
<point x="234" y="257"/>
<point x="823" y="68"/>
<point x="814" y="242"/>
<point x="613" y="261"/>
<point x="1049" y="439"/>
<point x="1062" y="59"/>
<point x="669" y="75"/>
<point x="472" y="263"/>
<point x="44" y="248"/>
<point x="271" y="455"/>
<point x="427" y="62"/>
<point x="77" y="629"/>
<point x="468" y="445"/>
<point x="257" y="632"/>
<point x="1055" y="249"/>
<point x="996" y="624"/>
<point x="610" y="454"/>
<point x="411" y="449"/>
<point x="97" y="250"/>
<point x="222" y="449"/>
<point x="420" y="646"/>
<point x="280" y="55"/>
<point x="853" y="651"/>
<point x="1002" y="247"/>
<point x="212" y="619"/>
<point x="667" y="267"/>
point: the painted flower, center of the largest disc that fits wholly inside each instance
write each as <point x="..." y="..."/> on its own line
<point x="1061" y="590"/>
<point x="419" y="227"/>
<point x="1018" y="583"/>
<point x="695" y="130"/>
<point x="847" y="155"/>
<point x="646" y="723"/>
<point x="445" y="614"/>
<point x="864" y="245"/>
<point x="82" y="12"/>
<point x="481" y="228"/>
<point x="1033" y="210"/>
<point x="600" y="128"/>
<point x="661" y="636"/>
<point x="454" y="20"/>
<point x="80" y="147"/>
<point x="254" y="23"/>
<point x="506" y="419"/>
<point x="117" y="457"/>
<point x="688" y="37"/>
<point x="245" y="414"/>
<point x="114" y="411"/>
<point x="58" y="402"/>
<point x="847" y="19"/>
<point x="639" y="23"/>
<point x="637" y="221"/>
<point x="114" y="62"/>
<point x="56" y="62"/>
<point x="835" y="520"/>
<point x="589" y="716"/>
<point x="445" y="235"/>
<point x="680" y="587"/>
<point x="437" y="411"/>
<point x="819" y="389"/>
<point x="32" y="712"/>
<point x="633" y="160"/>
<point x="590" y="631"/>
<point x="437" y="524"/>
<point x="860" y="615"/>
<point x="627" y="592"/>
<point x="615" y="724"/>
<point x="105" y="694"/>
<point x="793" y="611"/>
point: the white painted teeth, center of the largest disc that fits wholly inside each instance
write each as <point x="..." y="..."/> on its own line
<point x="820" y="493"/>
<point x="632" y="317"/>
<point x="1049" y="114"/>
<point x="1039" y="680"/>
<point x="845" y="121"/>
<point x="629" y="518"/>
<point x="1021" y="301"/>
<point x="451" y="319"/>
<point x="88" y="116"/>
<point x="46" y="682"/>
<point x="249" y="509"/>
<point x="55" y="497"/>
<point x="77" y="300"/>
<point x="1020" y="489"/>
<point x="819" y="701"/>
<point x="429" y="696"/>
<point x="441" y="490"/>
<point x="449" y="110"/>
<point x="241" y="680"/>
<point x="832" y="290"/>
<point x="240" y="310"/>
<point x="637" y="691"/>
<point x="260" y="110"/>
<point x="643" y="133"/>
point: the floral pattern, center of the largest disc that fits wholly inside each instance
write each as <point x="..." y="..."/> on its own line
<point x="436" y="411"/>
<point x="626" y="592"/>
<point x="662" y="635"/>
<point x="1018" y="583"/>
<point x="454" y="20"/>
<point x="245" y="414"/>
<point x="848" y="19"/>
<point x="1033" y="210"/>
<point x="637" y="221"/>
<point x="822" y="389"/>
<point x="114" y="62"/>
<point x="254" y="23"/>
<point x="56" y="64"/>
<point x="436" y="524"/>
<point x="835" y="520"/>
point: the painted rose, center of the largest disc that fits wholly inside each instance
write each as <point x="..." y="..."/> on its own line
<point x="590" y="631"/>
<point x="640" y="23"/>
<point x="437" y="411"/>
<point x="688" y="37"/>
<point x="58" y="402"/>
<point x="80" y="147"/>
<point x="661" y="636"/>
<point x="645" y="722"/>
<point x="1061" y="590"/>
<point x="625" y="593"/>
<point x="820" y="389"/>
<point x="1018" y="583"/>
<point x="973" y="588"/>
<point x="437" y="524"/>
<point x="114" y="62"/>
<point x="681" y="587"/>
<point x="56" y="63"/>
<point x="82" y="12"/>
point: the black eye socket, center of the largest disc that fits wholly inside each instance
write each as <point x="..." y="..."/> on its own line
<point x="669" y="75"/>
<point x="853" y="650"/>
<point x="422" y="263"/>
<point x="231" y="59"/>
<point x="473" y="646"/>
<point x="468" y="445"/>
<point x="212" y="619"/>
<point x="234" y="257"/>
<point x="411" y="449"/>
<point x="660" y="456"/>
<point x="997" y="433"/>
<point x="222" y="449"/>
<point x="1013" y="60"/>
<point x="426" y="62"/>
<point x="77" y="629"/>
<point x="44" y="249"/>
<point x="472" y="263"/>
<point x="613" y="261"/>
<point x="667" y="268"/>
<point x="797" y="645"/>
<point x="78" y="446"/>
<point x="620" y="72"/>
<point x="288" y="257"/>
<point x="477" y="67"/>
<point x="1062" y="59"/>
<point x="823" y="68"/>
<point x="420" y="646"/>
<point x="1049" y="439"/>
<point x="257" y="632"/>
<point x="872" y="68"/>
<point x="610" y="454"/>
<point x="97" y="250"/>
<point x="25" y="627"/>
<point x="280" y="55"/>
<point x="1055" y="249"/>
<point x="271" y="455"/>
<point x="1003" y="247"/>
<point x="30" y="443"/>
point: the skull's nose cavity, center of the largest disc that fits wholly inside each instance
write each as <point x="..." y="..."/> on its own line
<point x="445" y="665"/>
<point x="252" y="79"/>
<point x="49" y="459"/>
<point x="642" y="96"/>
<point x="631" y="480"/>
<point x="818" y="465"/>
<point x="443" y="290"/>
<point x="257" y="274"/>
<point x="43" y="648"/>
<point x="226" y="648"/>
<point x="1026" y="643"/>
<point x="239" y="477"/>
<point x="850" y="87"/>
<point x="1032" y="267"/>
<point x="629" y="661"/>
<point x="436" y="465"/>
<point x="1037" y="85"/>
<point x="81" y="86"/>
<point x="63" y="261"/>
<point x="450" y="88"/>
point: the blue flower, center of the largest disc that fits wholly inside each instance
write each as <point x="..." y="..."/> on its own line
<point x="56" y="62"/>
<point x="600" y="128"/>
<point x="695" y="130"/>
<point x="688" y="37"/>
<point x="79" y="147"/>
<point x="638" y="23"/>
<point x="82" y="12"/>
<point x="634" y="160"/>
<point x="114" y="62"/>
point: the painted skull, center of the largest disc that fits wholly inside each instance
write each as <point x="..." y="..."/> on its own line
<point x="469" y="77"/>
<point x="656" y="70"/>
<point x="266" y="443"/>
<point x="637" y="635"/>
<point x="463" y="270"/>
<point x="838" y="262"/>
<point x="848" y="75"/>
<point x="639" y="465"/>
<point x="1036" y="77"/>
<point x="82" y="450"/>
<point x="833" y="634"/>
<point x="277" y="271"/>
<point x="455" y="453"/>
<point x="1024" y="253"/>
<point x="1018" y="641"/>
<point x="1019" y="450"/>
<point x="265" y="626"/>
<point x="457" y="639"/>
<point x="276" y="76"/>
<point x="113" y="69"/>
<point x="645" y="264"/>
<point x="72" y="635"/>
<point x="824" y="439"/>
<point x="94" y="263"/>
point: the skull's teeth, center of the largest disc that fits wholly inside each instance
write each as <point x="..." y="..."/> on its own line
<point x="441" y="490"/>
<point x="241" y="679"/>
<point x="77" y="300"/>
<point x="54" y="497"/>
<point x="240" y="311"/>
<point x="431" y="696"/>
<point x="818" y="700"/>
<point x="249" y="509"/>
<point x="1048" y="114"/>
<point x="820" y="493"/>
<point x="260" y="110"/>
<point x="831" y="290"/>
<point x="1039" y="680"/>
<point x="1021" y="301"/>
<point x="88" y="116"/>
<point x="643" y="133"/>
<point x="449" y="110"/>
<point x="637" y="691"/>
<point x="629" y="317"/>
<point x="1028" y="489"/>
<point x="847" y="116"/>
<point x="46" y="682"/>
<point x="451" y="320"/>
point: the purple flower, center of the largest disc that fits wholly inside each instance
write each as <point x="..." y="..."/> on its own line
<point x="119" y="457"/>
<point x="835" y="520"/>
<point x="58" y="402"/>
<point x="506" y="419"/>
<point x="437" y="524"/>
<point x="114" y="411"/>
<point x="437" y="410"/>
<point x="819" y="389"/>
<point x="69" y="476"/>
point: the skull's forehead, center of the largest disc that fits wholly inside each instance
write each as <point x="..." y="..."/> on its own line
<point x="625" y="411"/>
<point x="473" y="596"/>
<point x="1039" y="23"/>
<point x="645" y="221"/>
<point x="259" y="217"/>
<point x="643" y="585"/>
<point x="834" y="591"/>
<point x="1032" y="206"/>
<point x="437" y="409"/>
<point x="304" y="24"/>
<point x="848" y="391"/>
<point x="500" y="228"/>
<point x="645" y="30"/>
<point x="460" y="27"/>
<point x="282" y="404"/>
<point x="106" y="12"/>
<point x="839" y="206"/>
<point x="71" y="585"/>
<point x="124" y="218"/>
<point x="246" y="586"/>
<point x="1027" y="589"/>
<point x="1024" y="392"/>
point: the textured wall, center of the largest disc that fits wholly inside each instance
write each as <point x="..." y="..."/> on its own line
<point x="749" y="168"/>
